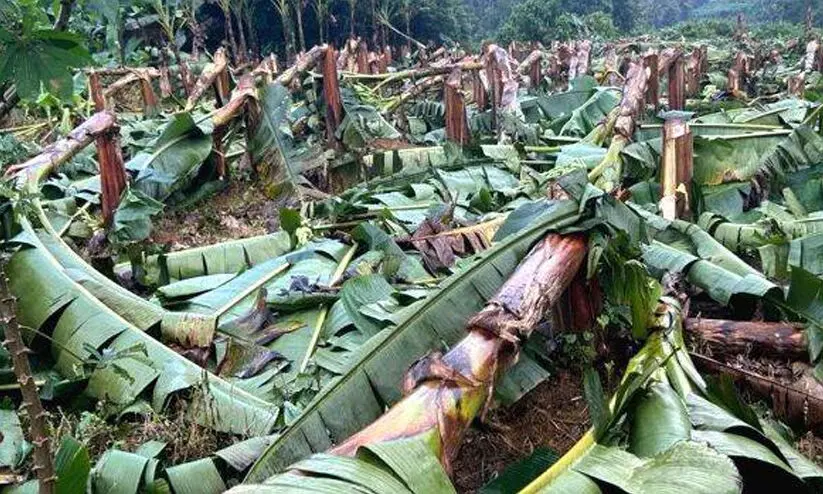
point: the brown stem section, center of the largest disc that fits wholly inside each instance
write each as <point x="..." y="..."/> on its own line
<point x="61" y="151"/>
<point x="165" y="79"/>
<point x="109" y="156"/>
<point x="653" y="89"/>
<point x="149" y="97"/>
<point x="771" y="339"/>
<point x="43" y="465"/>
<point x="457" y="125"/>
<point x="211" y="74"/>
<point x="793" y="405"/>
<point x="331" y="93"/>
<point x="446" y="393"/>
<point x="677" y="84"/>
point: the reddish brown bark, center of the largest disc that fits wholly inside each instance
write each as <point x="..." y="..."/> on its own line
<point x="109" y="157"/>
<point x="331" y="93"/>
<point x="479" y="92"/>
<point x="579" y="306"/>
<point x="532" y="65"/>
<point x="149" y="97"/>
<point x="165" y="80"/>
<point x="795" y="405"/>
<point x="693" y="72"/>
<point x="653" y="90"/>
<point x="677" y="84"/>
<point x="769" y="339"/>
<point x="457" y="125"/>
<point x="363" y="57"/>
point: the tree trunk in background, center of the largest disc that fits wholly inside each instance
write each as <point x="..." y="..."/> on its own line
<point x="230" y="33"/>
<point x="352" y="8"/>
<point x="64" y="15"/>
<point x="298" y="10"/>
<point x="244" y="48"/>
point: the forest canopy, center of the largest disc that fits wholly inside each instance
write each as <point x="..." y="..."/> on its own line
<point x="126" y="28"/>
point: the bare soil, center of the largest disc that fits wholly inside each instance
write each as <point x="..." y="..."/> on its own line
<point x="238" y="211"/>
<point x="553" y="415"/>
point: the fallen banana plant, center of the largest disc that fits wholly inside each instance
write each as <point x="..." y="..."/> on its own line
<point x="370" y="382"/>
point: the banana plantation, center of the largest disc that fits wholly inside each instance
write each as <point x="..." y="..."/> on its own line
<point x="379" y="265"/>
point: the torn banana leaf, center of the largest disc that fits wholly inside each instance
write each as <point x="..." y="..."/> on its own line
<point x="122" y="362"/>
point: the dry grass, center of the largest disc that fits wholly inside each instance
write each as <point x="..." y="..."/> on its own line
<point x="186" y="441"/>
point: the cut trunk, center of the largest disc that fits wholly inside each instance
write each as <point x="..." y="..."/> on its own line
<point x="65" y="149"/>
<point x="331" y="93"/>
<point x="457" y="126"/>
<point x="768" y="339"/>
<point x="609" y="173"/>
<point x="676" y="169"/>
<point x="444" y="394"/>
<point x="210" y="75"/>
<point x="677" y="84"/>
<point x="165" y="80"/>
<point x="150" y="109"/>
<point x="653" y="90"/>
<point x="109" y="157"/>
<point x="795" y="406"/>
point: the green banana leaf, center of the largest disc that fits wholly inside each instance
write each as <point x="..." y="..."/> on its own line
<point x="278" y="160"/>
<point x="174" y="158"/>
<point x="129" y="362"/>
<point x="400" y="466"/>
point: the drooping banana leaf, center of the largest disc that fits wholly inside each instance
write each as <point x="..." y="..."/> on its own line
<point x="227" y="257"/>
<point x="126" y="362"/>
<point x="785" y="112"/>
<point x="587" y="116"/>
<point x="651" y="132"/>
<point x="357" y="397"/>
<point x="401" y="466"/>
<point x="278" y="160"/>
<point x="174" y="158"/>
